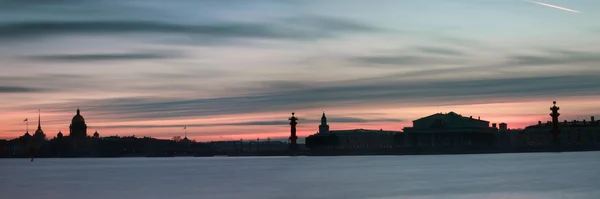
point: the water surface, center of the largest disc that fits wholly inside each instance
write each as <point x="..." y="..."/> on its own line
<point x="510" y="176"/>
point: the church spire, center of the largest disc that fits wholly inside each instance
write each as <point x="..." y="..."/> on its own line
<point x="39" y="120"/>
<point x="78" y="110"/>
<point x="39" y="134"/>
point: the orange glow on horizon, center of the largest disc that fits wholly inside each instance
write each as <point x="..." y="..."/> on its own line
<point x="240" y="126"/>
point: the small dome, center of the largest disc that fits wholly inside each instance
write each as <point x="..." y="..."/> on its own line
<point x="59" y="135"/>
<point x="77" y="119"/>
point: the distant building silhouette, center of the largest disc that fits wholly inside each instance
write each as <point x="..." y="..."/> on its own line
<point x="354" y="139"/>
<point x="323" y="128"/>
<point x="567" y="135"/>
<point x="293" y="138"/>
<point x="438" y="133"/>
<point x="449" y="129"/>
<point x="503" y="127"/>
<point x="39" y="133"/>
<point x="26" y="136"/>
<point x="78" y="128"/>
<point x="555" y="130"/>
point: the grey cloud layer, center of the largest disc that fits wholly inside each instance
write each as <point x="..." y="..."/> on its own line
<point x="20" y="89"/>
<point x="282" y="122"/>
<point x="452" y="56"/>
<point x="348" y="94"/>
<point x="438" y="50"/>
<point x="410" y="60"/>
<point x="295" y="29"/>
<point x="552" y="57"/>
<point x="55" y="82"/>
<point x="270" y="96"/>
<point x="103" y="57"/>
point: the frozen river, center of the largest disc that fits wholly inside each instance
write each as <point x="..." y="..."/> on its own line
<point x="507" y="176"/>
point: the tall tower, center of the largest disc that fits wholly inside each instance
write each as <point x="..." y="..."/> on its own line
<point x="554" y="116"/>
<point x="323" y="128"/>
<point x="293" y="146"/>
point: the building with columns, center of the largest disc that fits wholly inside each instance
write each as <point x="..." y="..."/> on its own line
<point x="449" y="130"/>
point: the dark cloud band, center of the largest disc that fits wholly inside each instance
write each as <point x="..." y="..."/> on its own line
<point x="259" y="123"/>
<point x="20" y="89"/>
<point x="103" y="57"/>
<point x="310" y="28"/>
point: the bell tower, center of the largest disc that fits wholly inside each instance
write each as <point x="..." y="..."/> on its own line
<point x="323" y="128"/>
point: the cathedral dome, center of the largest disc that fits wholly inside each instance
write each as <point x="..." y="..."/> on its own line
<point x="77" y="119"/>
<point x="38" y="132"/>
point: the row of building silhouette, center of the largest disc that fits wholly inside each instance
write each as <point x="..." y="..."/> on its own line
<point x="76" y="143"/>
<point x="77" y="128"/>
<point x="79" y="144"/>
<point x="437" y="133"/>
<point x="446" y="132"/>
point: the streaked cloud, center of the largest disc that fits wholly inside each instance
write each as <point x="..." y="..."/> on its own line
<point x="294" y="29"/>
<point x="103" y="57"/>
<point x="254" y="123"/>
<point x="439" y="51"/>
<point x="557" y="57"/>
<point x="407" y="60"/>
<point x="346" y="95"/>
<point x="554" y="6"/>
<point x="19" y="89"/>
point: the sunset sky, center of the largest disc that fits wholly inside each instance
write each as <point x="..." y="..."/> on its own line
<point x="238" y="68"/>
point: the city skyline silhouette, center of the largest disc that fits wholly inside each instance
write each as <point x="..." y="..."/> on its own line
<point x="350" y="99"/>
<point x="439" y="133"/>
<point x="231" y="72"/>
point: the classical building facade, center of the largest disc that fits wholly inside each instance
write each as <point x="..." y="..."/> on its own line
<point x="449" y="130"/>
<point x="78" y="128"/>
<point x="454" y="133"/>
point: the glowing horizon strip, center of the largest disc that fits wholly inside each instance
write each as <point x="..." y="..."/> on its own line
<point x="553" y="6"/>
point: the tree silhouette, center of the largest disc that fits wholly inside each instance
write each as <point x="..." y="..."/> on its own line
<point x="176" y="138"/>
